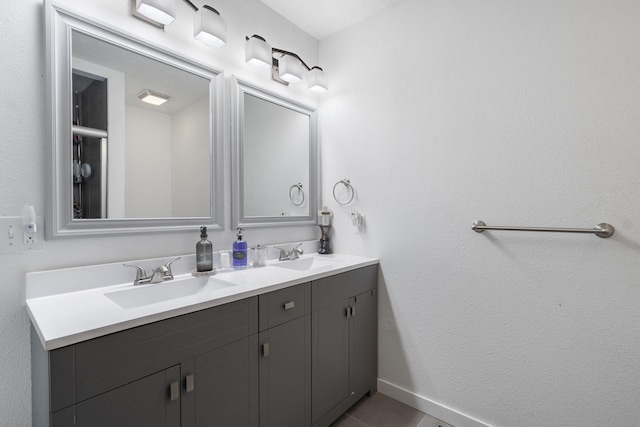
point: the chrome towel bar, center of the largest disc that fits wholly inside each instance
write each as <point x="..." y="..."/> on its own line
<point x="603" y="229"/>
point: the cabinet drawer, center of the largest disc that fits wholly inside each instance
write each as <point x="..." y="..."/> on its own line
<point x="110" y="361"/>
<point x="276" y="308"/>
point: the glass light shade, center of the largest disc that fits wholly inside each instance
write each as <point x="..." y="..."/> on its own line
<point x="210" y="28"/>
<point x="317" y="80"/>
<point x="160" y="11"/>
<point x="258" y="53"/>
<point x="290" y="69"/>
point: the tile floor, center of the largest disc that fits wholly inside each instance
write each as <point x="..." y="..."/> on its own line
<point x="380" y="410"/>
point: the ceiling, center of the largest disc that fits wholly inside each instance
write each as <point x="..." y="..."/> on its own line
<point x="322" y="18"/>
<point x="140" y="72"/>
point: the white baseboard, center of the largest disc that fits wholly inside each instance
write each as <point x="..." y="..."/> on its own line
<point x="435" y="409"/>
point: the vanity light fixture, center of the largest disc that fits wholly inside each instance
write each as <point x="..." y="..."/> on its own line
<point x="162" y="12"/>
<point x="290" y="68"/>
<point x="208" y="26"/>
<point x="286" y="67"/>
<point x="258" y="52"/>
<point x="154" y="98"/>
<point x="317" y="80"/>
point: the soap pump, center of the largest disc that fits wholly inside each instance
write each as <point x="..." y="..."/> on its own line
<point x="204" y="252"/>
<point x="239" y="252"/>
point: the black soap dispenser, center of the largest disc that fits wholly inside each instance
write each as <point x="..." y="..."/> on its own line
<point x="204" y="252"/>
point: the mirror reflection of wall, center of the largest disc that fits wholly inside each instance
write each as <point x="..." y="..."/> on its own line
<point x="276" y="157"/>
<point x="157" y="158"/>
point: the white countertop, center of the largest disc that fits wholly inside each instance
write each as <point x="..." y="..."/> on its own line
<point x="73" y="305"/>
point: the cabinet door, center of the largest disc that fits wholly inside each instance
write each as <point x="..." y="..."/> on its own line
<point x="329" y="358"/>
<point x="222" y="388"/>
<point x="364" y="342"/>
<point x="150" y="401"/>
<point x="285" y="375"/>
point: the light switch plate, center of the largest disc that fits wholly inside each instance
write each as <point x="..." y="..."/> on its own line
<point x="12" y="237"/>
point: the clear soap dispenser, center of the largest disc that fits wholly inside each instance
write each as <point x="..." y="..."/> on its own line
<point x="239" y="252"/>
<point x="204" y="252"/>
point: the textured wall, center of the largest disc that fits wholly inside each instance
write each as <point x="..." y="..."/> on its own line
<point x="442" y="112"/>
<point x="23" y="168"/>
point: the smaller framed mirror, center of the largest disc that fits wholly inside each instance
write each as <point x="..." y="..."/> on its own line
<point x="275" y="159"/>
<point x="120" y="160"/>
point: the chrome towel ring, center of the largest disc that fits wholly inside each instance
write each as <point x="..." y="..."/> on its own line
<point x="347" y="184"/>
<point x="291" y="195"/>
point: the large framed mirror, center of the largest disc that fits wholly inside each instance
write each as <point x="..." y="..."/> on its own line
<point x="275" y="159"/>
<point x="136" y="133"/>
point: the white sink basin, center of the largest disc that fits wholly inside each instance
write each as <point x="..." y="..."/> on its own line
<point x="142" y="295"/>
<point x="307" y="263"/>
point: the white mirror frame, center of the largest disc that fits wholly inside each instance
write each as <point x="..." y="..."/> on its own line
<point x="59" y="24"/>
<point x="238" y="89"/>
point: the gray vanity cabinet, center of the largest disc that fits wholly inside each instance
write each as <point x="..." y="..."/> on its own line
<point x="213" y="389"/>
<point x="344" y="342"/>
<point x="296" y="357"/>
<point x="285" y="357"/>
<point x="199" y="369"/>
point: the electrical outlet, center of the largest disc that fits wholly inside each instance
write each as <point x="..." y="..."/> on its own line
<point x="33" y="242"/>
<point x="29" y="239"/>
<point x="29" y="236"/>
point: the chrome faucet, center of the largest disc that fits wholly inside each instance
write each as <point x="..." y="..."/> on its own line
<point x="290" y="255"/>
<point x="160" y="274"/>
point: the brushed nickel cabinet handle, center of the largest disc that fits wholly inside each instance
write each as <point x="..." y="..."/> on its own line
<point x="174" y="391"/>
<point x="289" y="305"/>
<point x="189" y="383"/>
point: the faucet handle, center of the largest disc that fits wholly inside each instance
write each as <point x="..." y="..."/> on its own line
<point x="166" y="269"/>
<point x="296" y="252"/>
<point x="284" y="254"/>
<point x="140" y="273"/>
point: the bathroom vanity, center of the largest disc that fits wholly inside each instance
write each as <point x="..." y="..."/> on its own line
<point x="290" y="344"/>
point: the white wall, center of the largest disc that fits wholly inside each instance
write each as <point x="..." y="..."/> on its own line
<point x="148" y="161"/>
<point x="23" y="168"/>
<point x="190" y="170"/>
<point x="442" y="112"/>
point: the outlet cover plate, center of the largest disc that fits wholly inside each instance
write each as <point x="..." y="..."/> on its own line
<point x="12" y="237"/>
